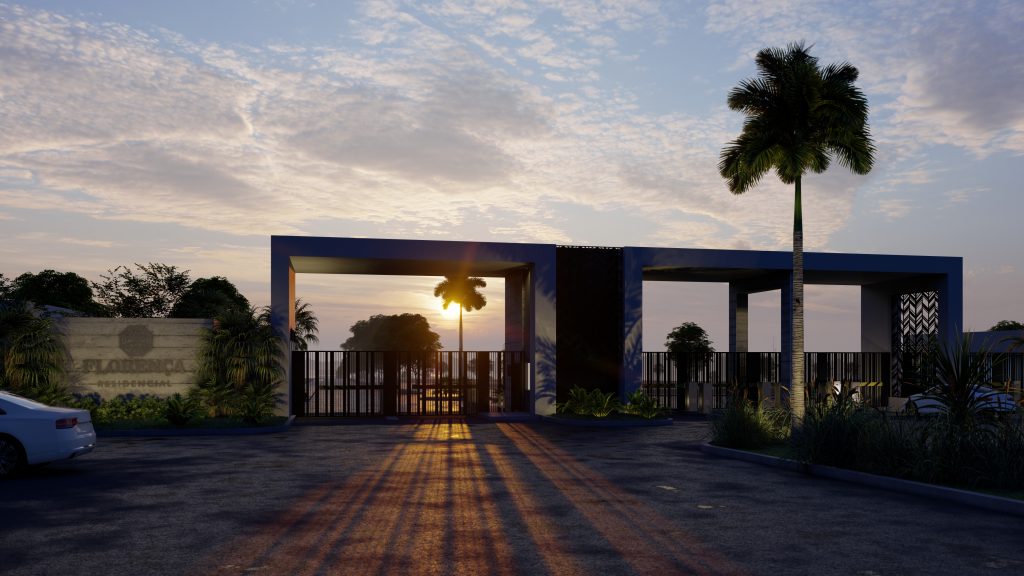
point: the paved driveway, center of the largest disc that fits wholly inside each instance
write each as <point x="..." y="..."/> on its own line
<point x="440" y="497"/>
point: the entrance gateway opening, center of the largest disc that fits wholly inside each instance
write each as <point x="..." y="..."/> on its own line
<point x="574" y="317"/>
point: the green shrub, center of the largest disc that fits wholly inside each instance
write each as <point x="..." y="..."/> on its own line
<point x="747" y="425"/>
<point x="889" y="446"/>
<point x="124" y="407"/>
<point x="257" y="402"/>
<point x="601" y="404"/>
<point x="830" y="430"/>
<point x="643" y="405"/>
<point x="574" y="403"/>
<point x="33" y="359"/>
<point x="181" y="409"/>
<point x="583" y="402"/>
<point x="938" y="450"/>
<point x="1006" y="457"/>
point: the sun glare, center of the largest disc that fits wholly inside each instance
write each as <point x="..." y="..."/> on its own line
<point x="452" y="313"/>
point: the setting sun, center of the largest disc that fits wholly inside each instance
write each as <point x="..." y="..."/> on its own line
<point x="452" y="313"/>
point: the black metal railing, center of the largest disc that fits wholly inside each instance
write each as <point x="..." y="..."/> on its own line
<point x="366" y="383"/>
<point x="683" y="383"/>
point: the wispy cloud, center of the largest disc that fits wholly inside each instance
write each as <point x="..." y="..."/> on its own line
<point x="86" y="242"/>
<point x="409" y="131"/>
<point x="961" y="196"/>
<point x="451" y="115"/>
<point x="894" y="209"/>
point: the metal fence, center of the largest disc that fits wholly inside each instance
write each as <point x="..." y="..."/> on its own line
<point x="692" y="382"/>
<point x="364" y="383"/>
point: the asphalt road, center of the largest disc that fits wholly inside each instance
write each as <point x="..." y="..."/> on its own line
<point x="440" y="497"/>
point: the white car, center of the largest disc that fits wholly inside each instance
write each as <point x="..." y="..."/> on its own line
<point x="988" y="399"/>
<point x="34" y="433"/>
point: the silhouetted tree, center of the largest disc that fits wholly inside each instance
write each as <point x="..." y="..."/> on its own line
<point x="52" y="288"/>
<point x="208" y="297"/>
<point x="688" y="338"/>
<point x="6" y="287"/>
<point x="463" y="291"/>
<point x="399" y="332"/>
<point x="798" y="117"/>
<point x="1006" y="325"/>
<point x="152" y="292"/>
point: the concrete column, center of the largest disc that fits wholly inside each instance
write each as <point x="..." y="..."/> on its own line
<point x="739" y="313"/>
<point x="542" y="335"/>
<point x="786" y="334"/>
<point x="517" y="323"/>
<point x="950" y="289"/>
<point x="282" y="314"/>
<point x="632" y="324"/>
<point x="875" y="320"/>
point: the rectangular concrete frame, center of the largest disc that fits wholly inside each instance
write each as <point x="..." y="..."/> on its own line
<point x="528" y="270"/>
<point x="880" y="277"/>
<point x="530" y="287"/>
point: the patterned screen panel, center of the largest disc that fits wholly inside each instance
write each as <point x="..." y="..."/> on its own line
<point x="915" y="324"/>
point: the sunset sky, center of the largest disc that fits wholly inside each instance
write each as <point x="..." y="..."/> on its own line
<point x="188" y="132"/>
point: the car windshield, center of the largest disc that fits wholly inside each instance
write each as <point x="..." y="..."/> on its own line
<point x="20" y="401"/>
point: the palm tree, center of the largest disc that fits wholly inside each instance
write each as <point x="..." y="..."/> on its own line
<point x="463" y="290"/>
<point x="798" y="118"/>
<point x="240" y="363"/>
<point x="33" y="357"/>
<point x="306" y="326"/>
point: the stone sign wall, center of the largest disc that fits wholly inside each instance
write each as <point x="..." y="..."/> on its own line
<point x="113" y="356"/>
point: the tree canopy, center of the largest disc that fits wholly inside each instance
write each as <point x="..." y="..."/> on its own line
<point x="399" y="332"/>
<point x="52" y="288"/>
<point x="1006" y="325"/>
<point x="688" y="338"/>
<point x="150" y="291"/>
<point x="208" y="297"/>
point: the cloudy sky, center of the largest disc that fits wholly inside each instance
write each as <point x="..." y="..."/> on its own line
<point x="188" y="132"/>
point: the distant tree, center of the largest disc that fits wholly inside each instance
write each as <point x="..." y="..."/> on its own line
<point x="1006" y="325"/>
<point x="799" y="117"/>
<point x="306" y="326"/>
<point x="393" y="332"/>
<point x="688" y="338"/>
<point x="688" y="344"/>
<point x="463" y="291"/>
<point x="208" y="297"/>
<point x="52" y="288"/>
<point x="150" y="293"/>
<point x="6" y="287"/>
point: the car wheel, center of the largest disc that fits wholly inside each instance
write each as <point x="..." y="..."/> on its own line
<point x="11" y="456"/>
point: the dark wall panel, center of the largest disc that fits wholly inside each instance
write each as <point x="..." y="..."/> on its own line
<point x="589" y="311"/>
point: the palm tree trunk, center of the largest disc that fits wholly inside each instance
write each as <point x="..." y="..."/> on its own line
<point x="460" y="329"/>
<point x="796" y="393"/>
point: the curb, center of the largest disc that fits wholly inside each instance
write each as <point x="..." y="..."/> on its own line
<point x="185" y="432"/>
<point x="945" y="493"/>
<point x="607" y="423"/>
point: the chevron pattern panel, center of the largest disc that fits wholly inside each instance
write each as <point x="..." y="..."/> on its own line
<point x="915" y="323"/>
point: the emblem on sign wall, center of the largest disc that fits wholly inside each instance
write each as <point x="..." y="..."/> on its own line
<point x="136" y="340"/>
